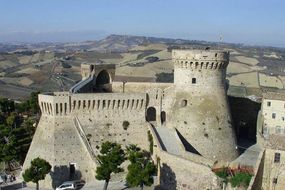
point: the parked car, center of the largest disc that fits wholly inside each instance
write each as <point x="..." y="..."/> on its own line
<point x="1" y="180"/>
<point x="71" y="185"/>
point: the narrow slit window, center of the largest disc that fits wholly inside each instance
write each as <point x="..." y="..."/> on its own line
<point x="276" y="157"/>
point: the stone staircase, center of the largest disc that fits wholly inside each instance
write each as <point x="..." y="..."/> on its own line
<point x="168" y="140"/>
<point x="78" y="86"/>
<point x="84" y="139"/>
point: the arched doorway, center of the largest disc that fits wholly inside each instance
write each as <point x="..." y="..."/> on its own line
<point x="103" y="81"/>
<point x="163" y="117"/>
<point x="151" y="114"/>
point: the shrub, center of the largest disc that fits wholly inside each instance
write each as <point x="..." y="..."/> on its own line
<point x="240" y="179"/>
<point x="152" y="59"/>
<point x="150" y="139"/>
<point x="222" y="174"/>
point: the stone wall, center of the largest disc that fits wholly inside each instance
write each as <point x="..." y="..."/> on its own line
<point x="138" y="86"/>
<point x="106" y="106"/>
<point x="256" y="180"/>
<point x="203" y="118"/>
<point x="57" y="141"/>
<point x="183" y="172"/>
<point x="55" y="104"/>
<point x="110" y="107"/>
<point x="115" y="131"/>
<point x="198" y="107"/>
<point x="274" y="170"/>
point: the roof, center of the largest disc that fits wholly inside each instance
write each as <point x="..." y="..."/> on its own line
<point x="274" y="96"/>
<point x="276" y="142"/>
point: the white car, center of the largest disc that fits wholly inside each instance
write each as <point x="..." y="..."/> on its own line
<point x="71" y="185"/>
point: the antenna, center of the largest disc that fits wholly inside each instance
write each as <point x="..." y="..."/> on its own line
<point x="220" y="41"/>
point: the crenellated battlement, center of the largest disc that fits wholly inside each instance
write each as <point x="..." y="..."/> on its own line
<point x="200" y="59"/>
<point x="64" y="103"/>
<point x="204" y="68"/>
<point x="201" y="55"/>
<point x="108" y="101"/>
<point x="200" y="64"/>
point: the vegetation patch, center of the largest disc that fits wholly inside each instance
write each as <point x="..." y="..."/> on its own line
<point x="165" y="77"/>
<point x="146" y="53"/>
<point x="150" y="139"/>
<point x="65" y="65"/>
<point x="17" y="129"/>
<point x="240" y="179"/>
<point x="152" y="59"/>
<point x="223" y="174"/>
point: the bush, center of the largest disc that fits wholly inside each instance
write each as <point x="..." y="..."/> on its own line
<point x="240" y="179"/>
<point x="164" y="77"/>
<point x="152" y="59"/>
<point x="126" y="125"/>
<point x="65" y="65"/>
<point x="150" y="139"/>
<point x="222" y="174"/>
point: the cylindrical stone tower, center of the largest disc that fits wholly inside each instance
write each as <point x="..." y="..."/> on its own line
<point x="201" y="112"/>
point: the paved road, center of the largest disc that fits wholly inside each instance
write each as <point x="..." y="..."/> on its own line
<point x="112" y="186"/>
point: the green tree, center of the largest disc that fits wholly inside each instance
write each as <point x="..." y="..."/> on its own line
<point x="110" y="158"/>
<point x="141" y="168"/>
<point x="6" y="106"/>
<point x="33" y="102"/>
<point x="15" y="142"/>
<point x="37" y="171"/>
<point x="22" y="107"/>
<point x="11" y="120"/>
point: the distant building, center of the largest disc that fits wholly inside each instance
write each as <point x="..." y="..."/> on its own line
<point x="273" y="112"/>
<point x="271" y="135"/>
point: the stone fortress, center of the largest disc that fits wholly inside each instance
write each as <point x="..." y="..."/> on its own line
<point x="189" y="121"/>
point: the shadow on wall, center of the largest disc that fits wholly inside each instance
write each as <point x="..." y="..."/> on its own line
<point x="167" y="179"/>
<point x="187" y="145"/>
<point x="244" y="113"/>
<point x="63" y="173"/>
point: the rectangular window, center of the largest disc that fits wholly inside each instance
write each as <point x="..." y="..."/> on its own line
<point x="193" y="80"/>
<point x="273" y="115"/>
<point x="268" y="104"/>
<point x="276" y="157"/>
<point x="274" y="180"/>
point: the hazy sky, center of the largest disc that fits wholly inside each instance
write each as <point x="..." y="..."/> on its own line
<point x="243" y="21"/>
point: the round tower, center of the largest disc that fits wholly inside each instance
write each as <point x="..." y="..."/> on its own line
<point x="201" y="112"/>
<point x="198" y="67"/>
